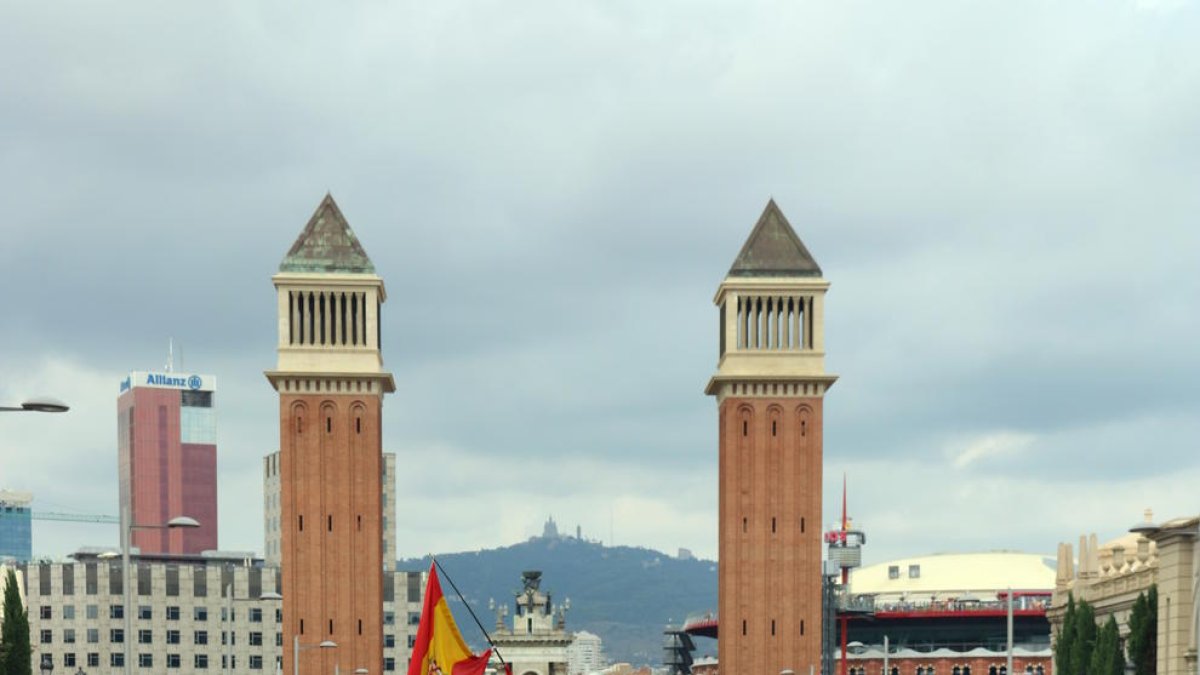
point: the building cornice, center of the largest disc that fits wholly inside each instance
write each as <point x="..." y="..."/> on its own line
<point x="349" y="383"/>
<point x="751" y="386"/>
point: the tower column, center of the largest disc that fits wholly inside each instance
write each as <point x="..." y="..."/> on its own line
<point x="331" y="387"/>
<point x="770" y="385"/>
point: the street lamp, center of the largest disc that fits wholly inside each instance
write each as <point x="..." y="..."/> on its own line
<point x="229" y="600"/>
<point x="126" y="536"/>
<point x="43" y="404"/>
<point x="297" y="648"/>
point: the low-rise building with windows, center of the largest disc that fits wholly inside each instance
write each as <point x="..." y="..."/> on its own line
<point x="190" y="614"/>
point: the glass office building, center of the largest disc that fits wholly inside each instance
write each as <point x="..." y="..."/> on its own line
<point x="16" y="532"/>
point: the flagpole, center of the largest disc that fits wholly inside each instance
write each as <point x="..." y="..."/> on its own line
<point x="495" y="650"/>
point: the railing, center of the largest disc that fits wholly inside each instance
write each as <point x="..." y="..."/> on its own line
<point x="1019" y="604"/>
<point x="855" y="604"/>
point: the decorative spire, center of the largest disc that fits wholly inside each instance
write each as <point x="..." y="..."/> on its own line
<point x="774" y="250"/>
<point x="327" y="245"/>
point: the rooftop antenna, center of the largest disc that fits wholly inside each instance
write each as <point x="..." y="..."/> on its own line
<point x="170" y="354"/>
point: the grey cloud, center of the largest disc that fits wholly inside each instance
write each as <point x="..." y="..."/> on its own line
<point x="1002" y="195"/>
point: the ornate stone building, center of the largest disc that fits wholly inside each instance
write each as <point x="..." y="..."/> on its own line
<point x="536" y="641"/>
<point x="1110" y="577"/>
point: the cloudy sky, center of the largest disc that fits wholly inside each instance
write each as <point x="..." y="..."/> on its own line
<point x="1003" y="194"/>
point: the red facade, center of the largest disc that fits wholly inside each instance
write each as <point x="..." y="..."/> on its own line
<point x="162" y="477"/>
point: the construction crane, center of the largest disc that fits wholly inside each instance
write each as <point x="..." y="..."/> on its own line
<point x="75" y="517"/>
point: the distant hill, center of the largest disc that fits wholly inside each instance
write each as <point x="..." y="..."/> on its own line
<point x="625" y="595"/>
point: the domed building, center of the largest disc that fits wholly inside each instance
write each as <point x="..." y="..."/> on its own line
<point x="947" y="614"/>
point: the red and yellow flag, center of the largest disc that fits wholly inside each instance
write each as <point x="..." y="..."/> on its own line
<point x="439" y="648"/>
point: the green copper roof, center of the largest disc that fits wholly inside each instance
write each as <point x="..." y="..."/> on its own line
<point x="327" y="244"/>
<point x="774" y="250"/>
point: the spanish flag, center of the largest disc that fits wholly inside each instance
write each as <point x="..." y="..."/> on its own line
<point x="439" y="648"/>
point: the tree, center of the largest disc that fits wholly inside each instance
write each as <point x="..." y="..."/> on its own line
<point x="1084" y="642"/>
<point x="1107" y="658"/>
<point x="1143" y="632"/>
<point x="1065" y="644"/>
<point x="14" y="633"/>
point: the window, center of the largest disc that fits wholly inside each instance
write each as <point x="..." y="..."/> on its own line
<point x="116" y="612"/>
<point x="389" y="618"/>
<point x="69" y="659"/>
<point x="93" y="659"/>
<point x="200" y="637"/>
<point x="69" y="612"/>
<point x="116" y="660"/>
<point x="255" y="662"/>
<point x="47" y="612"/>
<point x="389" y="641"/>
<point x="116" y="636"/>
<point x="279" y="639"/>
<point x="200" y="661"/>
<point x="255" y="639"/>
<point x="92" y="612"/>
<point x="47" y="636"/>
<point x="279" y="616"/>
<point x="172" y="637"/>
<point x="412" y="640"/>
<point x="69" y="636"/>
<point x="255" y="615"/>
<point x="893" y="571"/>
<point x="93" y="636"/>
<point x="145" y="660"/>
<point x="172" y="660"/>
<point x="145" y="636"/>
<point x="173" y="613"/>
<point x="200" y="614"/>
<point x="145" y="612"/>
<point x="389" y="663"/>
<point x="914" y="571"/>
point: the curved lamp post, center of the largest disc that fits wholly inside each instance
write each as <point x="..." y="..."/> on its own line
<point x="126" y="536"/>
<point x="43" y="404"/>
<point x="229" y="600"/>
<point x="297" y="648"/>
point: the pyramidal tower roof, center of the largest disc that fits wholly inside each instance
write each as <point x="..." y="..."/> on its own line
<point x="327" y="245"/>
<point x="774" y="250"/>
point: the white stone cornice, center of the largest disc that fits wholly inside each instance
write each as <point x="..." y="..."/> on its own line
<point x="331" y="383"/>
<point x="767" y="386"/>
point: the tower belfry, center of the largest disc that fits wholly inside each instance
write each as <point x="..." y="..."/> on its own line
<point x="331" y="383"/>
<point x="770" y="386"/>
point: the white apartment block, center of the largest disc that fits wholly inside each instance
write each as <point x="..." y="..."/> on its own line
<point x="190" y="614"/>
<point x="586" y="654"/>
<point x="272" y="510"/>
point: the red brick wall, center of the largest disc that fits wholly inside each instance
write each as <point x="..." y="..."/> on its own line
<point x="330" y="467"/>
<point x="770" y="534"/>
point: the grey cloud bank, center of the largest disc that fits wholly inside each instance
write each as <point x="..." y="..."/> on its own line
<point x="1002" y="194"/>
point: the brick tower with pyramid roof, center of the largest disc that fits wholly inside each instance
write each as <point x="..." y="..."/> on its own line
<point x="331" y="384"/>
<point x="770" y="386"/>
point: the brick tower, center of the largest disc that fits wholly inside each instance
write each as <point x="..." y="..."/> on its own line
<point x="770" y="383"/>
<point x="331" y="383"/>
